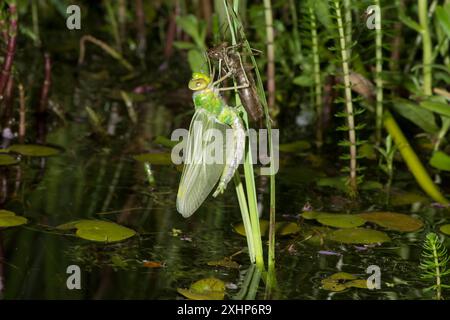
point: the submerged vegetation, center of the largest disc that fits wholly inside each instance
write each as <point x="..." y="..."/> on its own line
<point x="332" y="118"/>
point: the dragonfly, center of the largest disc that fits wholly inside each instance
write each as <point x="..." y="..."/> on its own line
<point x="230" y="61"/>
<point x="212" y="115"/>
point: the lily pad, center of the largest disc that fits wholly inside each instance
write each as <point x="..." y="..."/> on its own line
<point x="335" y="219"/>
<point x="440" y="160"/>
<point x="98" y="230"/>
<point x="154" y="158"/>
<point x="406" y="198"/>
<point x="9" y="219"/>
<point x="34" y="150"/>
<point x="358" y="236"/>
<point x="393" y="221"/>
<point x="282" y="228"/>
<point x="205" y="289"/>
<point x="445" y="229"/>
<point x="7" y="160"/>
<point x="341" y="281"/>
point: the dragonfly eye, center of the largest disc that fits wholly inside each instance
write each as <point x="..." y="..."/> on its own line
<point x="197" y="84"/>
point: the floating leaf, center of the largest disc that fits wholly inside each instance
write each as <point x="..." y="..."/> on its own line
<point x="9" y="219"/>
<point x="225" y="262"/>
<point x="358" y="236"/>
<point x="205" y="289"/>
<point x="341" y="281"/>
<point x="371" y="185"/>
<point x="154" y="158"/>
<point x="34" y="150"/>
<point x="333" y="182"/>
<point x="393" y="221"/>
<point x="405" y="198"/>
<point x="340" y="220"/>
<point x="445" y="229"/>
<point x="335" y="219"/>
<point x="282" y="228"/>
<point x="440" y="160"/>
<point x="98" y="230"/>
<point x="296" y="146"/>
<point x="7" y="160"/>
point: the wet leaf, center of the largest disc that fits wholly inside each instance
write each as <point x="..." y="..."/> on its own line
<point x="205" y="289"/>
<point x="9" y="219"/>
<point x="333" y="182"/>
<point x="154" y="158"/>
<point x="335" y="219"/>
<point x="34" y="150"/>
<point x="340" y="220"/>
<point x="296" y="146"/>
<point x="445" y="229"/>
<point x="7" y="160"/>
<point x="405" y="198"/>
<point x="98" y="230"/>
<point x="282" y="228"/>
<point x="225" y="262"/>
<point x="152" y="264"/>
<point x="341" y="281"/>
<point x="393" y="221"/>
<point x="358" y="236"/>
<point x="440" y="160"/>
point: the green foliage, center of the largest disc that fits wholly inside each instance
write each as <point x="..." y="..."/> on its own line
<point x="434" y="264"/>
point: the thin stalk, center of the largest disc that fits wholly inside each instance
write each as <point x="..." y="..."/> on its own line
<point x="317" y="76"/>
<point x="35" y="20"/>
<point x="348" y="24"/>
<point x="22" y="114"/>
<point x="11" y="47"/>
<point x="47" y="83"/>
<point x="426" y="48"/>
<point x="270" y="54"/>
<point x="442" y="133"/>
<point x="140" y="25"/>
<point x="114" y="26"/>
<point x="295" y="33"/>
<point x="437" y="263"/>
<point x="353" y="184"/>
<point x="412" y="160"/>
<point x="378" y="75"/>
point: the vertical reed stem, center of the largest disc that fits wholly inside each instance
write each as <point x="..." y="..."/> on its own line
<point x="426" y="47"/>
<point x="378" y="75"/>
<point x="270" y="54"/>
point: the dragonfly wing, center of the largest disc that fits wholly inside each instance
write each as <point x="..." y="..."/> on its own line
<point x="200" y="174"/>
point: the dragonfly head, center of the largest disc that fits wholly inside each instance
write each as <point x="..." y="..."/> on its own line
<point x="199" y="81"/>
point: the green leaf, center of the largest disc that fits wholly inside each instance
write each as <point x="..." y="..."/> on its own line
<point x="340" y="220"/>
<point x="9" y="219"/>
<point x="438" y="107"/>
<point x="410" y="23"/>
<point x="303" y="81"/>
<point x="7" y="160"/>
<point x="99" y="230"/>
<point x="445" y="229"/>
<point x="282" y="228"/>
<point x="294" y="147"/>
<point x="443" y="17"/>
<point x="34" y="150"/>
<point x="416" y="114"/>
<point x="341" y="281"/>
<point x="406" y="198"/>
<point x="440" y="160"/>
<point x="358" y="236"/>
<point x="197" y="61"/>
<point x="393" y="221"/>
<point x="183" y="45"/>
<point x="205" y="289"/>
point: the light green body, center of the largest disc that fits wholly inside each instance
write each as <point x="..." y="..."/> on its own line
<point x="198" y="179"/>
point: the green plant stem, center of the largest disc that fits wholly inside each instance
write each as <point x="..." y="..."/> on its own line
<point x="412" y="160"/>
<point x="426" y="47"/>
<point x="378" y="76"/>
<point x="245" y="216"/>
<point x="295" y="33"/>
<point x="114" y="25"/>
<point x="317" y="76"/>
<point x="443" y="132"/>
<point x="270" y="54"/>
<point x="35" y="21"/>
<point x="353" y="184"/>
<point x="438" y="273"/>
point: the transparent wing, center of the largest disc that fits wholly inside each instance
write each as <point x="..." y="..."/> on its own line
<point x="201" y="169"/>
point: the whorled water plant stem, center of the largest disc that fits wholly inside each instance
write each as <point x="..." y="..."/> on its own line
<point x="378" y="73"/>
<point x="270" y="54"/>
<point x="317" y="75"/>
<point x="427" y="55"/>
<point x="343" y="46"/>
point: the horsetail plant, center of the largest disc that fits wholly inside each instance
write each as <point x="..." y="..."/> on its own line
<point x="349" y="113"/>
<point x="426" y="48"/>
<point x="378" y="72"/>
<point x="434" y="264"/>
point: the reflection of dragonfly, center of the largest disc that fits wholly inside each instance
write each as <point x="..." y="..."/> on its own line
<point x="230" y="62"/>
<point x="212" y="117"/>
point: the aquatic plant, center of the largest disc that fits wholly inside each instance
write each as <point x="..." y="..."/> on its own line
<point x="434" y="264"/>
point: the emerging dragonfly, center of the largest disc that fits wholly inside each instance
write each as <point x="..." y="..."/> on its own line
<point x="212" y="116"/>
<point x="232" y="66"/>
